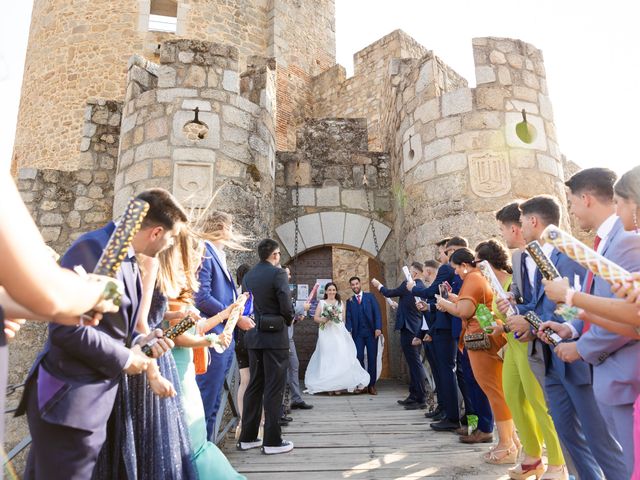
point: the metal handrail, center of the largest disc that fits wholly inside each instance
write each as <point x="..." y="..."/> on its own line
<point x="231" y="383"/>
<point x="24" y="442"/>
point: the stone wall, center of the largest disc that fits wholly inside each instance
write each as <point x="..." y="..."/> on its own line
<point x="78" y="50"/>
<point x="363" y="95"/>
<point x="302" y="39"/>
<point x="455" y="153"/>
<point x="329" y="165"/>
<point x="230" y="154"/>
<point x="65" y="204"/>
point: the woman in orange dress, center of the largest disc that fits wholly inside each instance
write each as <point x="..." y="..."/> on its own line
<point x="483" y="352"/>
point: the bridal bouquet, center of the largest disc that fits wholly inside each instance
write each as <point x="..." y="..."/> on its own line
<point x="332" y="313"/>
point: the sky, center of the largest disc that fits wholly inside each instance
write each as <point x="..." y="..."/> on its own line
<point x="590" y="50"/>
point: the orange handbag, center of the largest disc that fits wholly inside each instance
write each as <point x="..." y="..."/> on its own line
<point x="201" y="359"/>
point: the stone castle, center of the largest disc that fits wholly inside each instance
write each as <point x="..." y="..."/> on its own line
<point x="244" y="99"/>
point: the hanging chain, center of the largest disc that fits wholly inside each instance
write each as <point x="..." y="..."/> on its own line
<point x="365" y="182"/>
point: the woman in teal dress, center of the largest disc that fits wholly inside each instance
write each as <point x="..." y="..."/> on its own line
<point x="210" y="461"/>
<point x="176" y="276"/>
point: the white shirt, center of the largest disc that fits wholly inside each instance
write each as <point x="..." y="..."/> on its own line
<point x="604" y="230"/>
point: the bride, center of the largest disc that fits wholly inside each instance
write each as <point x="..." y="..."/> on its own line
<point x="334" y="365"/>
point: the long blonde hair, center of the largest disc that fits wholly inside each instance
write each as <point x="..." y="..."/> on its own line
<point x="177" y="273"/>
<point x="217" y="226"/>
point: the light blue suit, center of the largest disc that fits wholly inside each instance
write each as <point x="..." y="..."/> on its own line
<point x="582" y="430"/>
<point x="615" y="358"/>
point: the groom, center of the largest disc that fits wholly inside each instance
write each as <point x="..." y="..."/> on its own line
<point x="365" y="325"/>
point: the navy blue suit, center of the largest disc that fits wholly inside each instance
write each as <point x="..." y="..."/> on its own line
<point x="572" y="404"/>
<point x="72" y="385"/>
<point x="217" y="292"/>
<point x="362" y="320"/>
<point x="409" y="323"/>
<point x="443" y="347"/>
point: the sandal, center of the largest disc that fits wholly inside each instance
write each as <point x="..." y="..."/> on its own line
<point x="493" y="457"/>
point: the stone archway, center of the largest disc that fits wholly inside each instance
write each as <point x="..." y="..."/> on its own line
<point x="333" y="228"/>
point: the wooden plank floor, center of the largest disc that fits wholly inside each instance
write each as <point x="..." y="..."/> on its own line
<point x="363" y="437"/>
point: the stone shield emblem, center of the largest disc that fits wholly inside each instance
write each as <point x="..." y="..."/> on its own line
<point x="489" y="174"/>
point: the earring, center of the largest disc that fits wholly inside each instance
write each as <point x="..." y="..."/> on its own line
<point x="635" y="220"/>
<point x="465" y="271"/>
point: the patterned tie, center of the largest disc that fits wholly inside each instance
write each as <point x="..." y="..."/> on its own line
<point x="588" y="286"/>
<point x="359" y="299"/>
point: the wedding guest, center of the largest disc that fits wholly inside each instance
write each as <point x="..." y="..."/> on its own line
<point x="409" y="323"/>
<point x="80" y="367"/>
<point x="522" y="391"/>
<point x="147" y="406"/>
<point x="242" y="354"/>
<point x="177" y="278"/>
<point x="293" y="375"/>
<point x="614" y="358"/>
<point x="483" y="349"/>
<point x="217" y="291"/>
<point x="443" y="347"/>
<point x="568" y="386"/>
<point x="32" y="285"/>
<point x="268" y="351"/>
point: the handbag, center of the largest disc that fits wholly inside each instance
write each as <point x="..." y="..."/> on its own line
<point x="201" y="359"/>
<point x="270" y="322"/>
<point x="477" y="341"/>
<point x="480" y="341"/>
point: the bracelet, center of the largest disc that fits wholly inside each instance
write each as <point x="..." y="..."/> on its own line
<point x="568" y="299"/>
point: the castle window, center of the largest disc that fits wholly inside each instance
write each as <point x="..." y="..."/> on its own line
<point x="163" y="16"/>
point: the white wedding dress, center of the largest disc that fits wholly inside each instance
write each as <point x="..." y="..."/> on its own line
<point x="334" y="365"/>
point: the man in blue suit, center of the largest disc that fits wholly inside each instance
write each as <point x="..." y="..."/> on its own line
<point x="364" y="322"/>
<point x="71" y="388"/>
<point x="217" y="291"/>
<point x="616" y="375"/>
<point x="409" y="322"/>
<point x="579" y="423"/>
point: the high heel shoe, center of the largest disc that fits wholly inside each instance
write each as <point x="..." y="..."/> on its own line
<point x="494" y="457"/>
<point x="562" y="474"/>
<point x="523" y="471"/>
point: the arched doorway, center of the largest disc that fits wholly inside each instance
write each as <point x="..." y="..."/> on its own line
<point x="337" y="263"/>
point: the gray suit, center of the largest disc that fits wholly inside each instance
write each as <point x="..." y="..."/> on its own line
<point x="615" y="358"/>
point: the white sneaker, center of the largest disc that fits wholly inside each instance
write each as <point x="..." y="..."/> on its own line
<point x="284" y="447"/>
<point x="249" y="445"/>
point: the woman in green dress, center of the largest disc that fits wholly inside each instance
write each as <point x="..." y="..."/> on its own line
<point x="176" y="278"/>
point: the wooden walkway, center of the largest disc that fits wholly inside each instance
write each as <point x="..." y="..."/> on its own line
<point x="363" y="437"/>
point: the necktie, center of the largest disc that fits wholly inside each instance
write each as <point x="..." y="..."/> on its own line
<point x="359" y="299"/>
<point x="588" y="286"/>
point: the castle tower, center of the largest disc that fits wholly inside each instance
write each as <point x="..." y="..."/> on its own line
<point x="79" y="50"/>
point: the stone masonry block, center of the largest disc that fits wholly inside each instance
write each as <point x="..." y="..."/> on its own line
<point x="328" y="196"/>
<point x="333" y="227"/>
<point x="307" y="197"/>
<point x="231" y="81"/>
<point x="437" y="148"/>
<point x="428" y="111"/>
<point x="451" y="163"/>
<point x="485" y="74"/>
<point x="354" y="199"/>
<point x="458" y="101"/>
